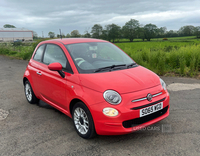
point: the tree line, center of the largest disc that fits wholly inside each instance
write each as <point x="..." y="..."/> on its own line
<point x="131" y="30"/>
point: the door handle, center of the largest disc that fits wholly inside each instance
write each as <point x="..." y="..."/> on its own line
<point x="39" y="73"/>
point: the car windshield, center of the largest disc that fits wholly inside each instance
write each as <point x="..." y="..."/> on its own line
<point x="93" y="57"/>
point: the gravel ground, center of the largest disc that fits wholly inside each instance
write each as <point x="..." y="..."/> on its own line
<point x="40" y="130"/>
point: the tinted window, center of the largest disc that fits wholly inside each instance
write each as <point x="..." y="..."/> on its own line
<point x="38" y="53"/>
<point x="54" y="53"/>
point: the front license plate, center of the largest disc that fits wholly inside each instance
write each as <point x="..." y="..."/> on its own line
<point x="151" y="109"/>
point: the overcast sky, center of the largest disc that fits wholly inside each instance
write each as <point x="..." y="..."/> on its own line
<point x="81" y="15"/>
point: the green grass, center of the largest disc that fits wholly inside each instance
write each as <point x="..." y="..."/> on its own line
<point x="20" y="51"/>
<point x="157" y="45"/>
<point x="179" y="56"/>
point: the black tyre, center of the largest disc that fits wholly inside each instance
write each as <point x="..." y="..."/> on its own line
<point x="30" y="96"/>
<point x="83" y="121"/>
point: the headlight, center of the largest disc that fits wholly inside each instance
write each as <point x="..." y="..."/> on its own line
<point x="110" y="111"/>
<point x="163" y="84"/>
<point x="112" y="97"/>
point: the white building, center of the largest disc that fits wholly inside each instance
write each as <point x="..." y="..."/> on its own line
<point x="13" y="34"/>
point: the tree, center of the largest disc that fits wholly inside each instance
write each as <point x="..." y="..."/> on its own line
<point x="51" y="34"/>
<point x="141" y="33"/>
<point x="87" y="35"/>
<point x="162" y="31"/>
<point x="9" y="26"/>
<point x="75" y="33"/>
<point x="197" y="31"/>
<point x="68" y="35"/>
<point x="130" y="29"/>
<point x="63" y="35"/>
<point x="104" y="34"/>
<point x="96" y="31"/>
<point x="187" y="30"/>
<point x="171" y="33"/>
<point x="150" y="31"/>
<point x="112" y="32"/>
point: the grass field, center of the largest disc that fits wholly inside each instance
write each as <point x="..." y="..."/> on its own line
<point x="175" y="56"/>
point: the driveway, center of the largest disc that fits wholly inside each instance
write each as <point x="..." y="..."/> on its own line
<point x="27" y="129"/>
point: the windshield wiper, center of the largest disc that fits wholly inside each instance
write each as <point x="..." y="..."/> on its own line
<point x="132" y="64"/>
<point x="109" y="67"/>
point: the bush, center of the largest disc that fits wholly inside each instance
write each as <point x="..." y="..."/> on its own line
<point x="17" y="43"/>
<point x="4" y="51"/>
<point x="168" y="48"/>
<point x="12" y="52"/>
<point x="26" y="56"/>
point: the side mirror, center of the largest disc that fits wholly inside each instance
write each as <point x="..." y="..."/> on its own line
<point x="56" y="67"/>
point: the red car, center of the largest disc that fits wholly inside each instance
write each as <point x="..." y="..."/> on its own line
<point x="96" y="84"/>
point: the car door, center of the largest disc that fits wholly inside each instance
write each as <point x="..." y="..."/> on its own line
<point x="34" y="68"/>
<point x="52" y="85"/>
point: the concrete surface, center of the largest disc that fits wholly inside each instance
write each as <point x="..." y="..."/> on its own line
<point x="41" y="130"/>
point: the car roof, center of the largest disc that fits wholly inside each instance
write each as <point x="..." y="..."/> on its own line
<point x="75" y="40"/>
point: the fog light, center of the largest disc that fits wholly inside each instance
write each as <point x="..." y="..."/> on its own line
<point x="110" y="111"/>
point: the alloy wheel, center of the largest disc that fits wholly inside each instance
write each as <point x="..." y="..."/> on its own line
<point x="81" y="120"/>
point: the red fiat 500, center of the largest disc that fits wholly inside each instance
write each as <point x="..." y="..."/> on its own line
<point x="96" y="84"/>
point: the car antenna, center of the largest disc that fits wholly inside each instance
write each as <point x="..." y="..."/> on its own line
<point x="60" y="34"/>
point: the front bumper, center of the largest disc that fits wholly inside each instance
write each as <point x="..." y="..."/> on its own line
<point x="128" y="120"/>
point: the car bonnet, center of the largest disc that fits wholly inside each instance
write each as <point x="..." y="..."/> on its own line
<point x="122" y="81"/>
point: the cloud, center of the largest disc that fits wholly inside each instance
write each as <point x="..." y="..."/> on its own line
<point x="50" y="15"/>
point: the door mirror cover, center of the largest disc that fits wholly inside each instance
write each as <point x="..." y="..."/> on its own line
<point x="55" y="66"/>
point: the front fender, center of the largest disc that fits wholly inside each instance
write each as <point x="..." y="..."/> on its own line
<point x="28" y="77"/>
<point x="88" y="96"/>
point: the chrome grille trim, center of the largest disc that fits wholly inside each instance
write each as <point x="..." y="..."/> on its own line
<point x="157" y="94"/>
<point x="141" y="99"/>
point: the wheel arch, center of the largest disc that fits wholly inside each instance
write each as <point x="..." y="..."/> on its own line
<point x="73" y="102"/>
<point x="24" y="80"/>
<point x="28" y="78"/>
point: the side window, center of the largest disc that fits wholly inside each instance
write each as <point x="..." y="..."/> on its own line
<point x="38" y="53"/>
<point x="54" y="53"/>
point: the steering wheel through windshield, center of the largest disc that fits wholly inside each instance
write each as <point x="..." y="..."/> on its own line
<point x="79" y="61"/>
